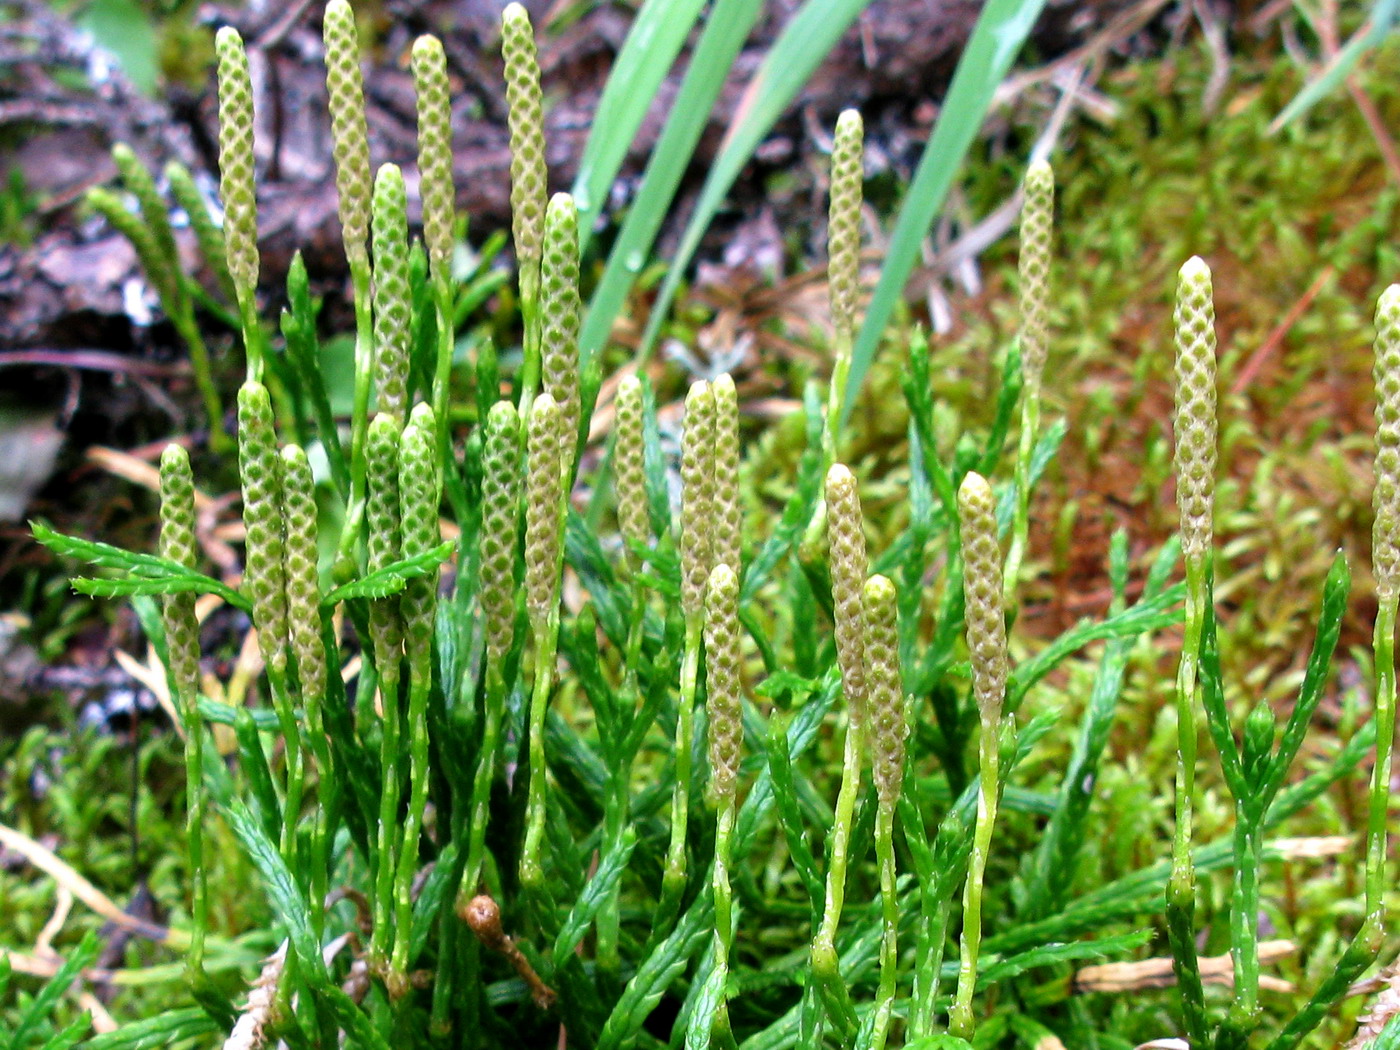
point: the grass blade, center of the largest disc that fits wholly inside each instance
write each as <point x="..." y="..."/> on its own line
<point x="652" y="44"/>
<point x="728" y="27"/>
<point x="998" y="36"/>
<point x="807" y="39"/>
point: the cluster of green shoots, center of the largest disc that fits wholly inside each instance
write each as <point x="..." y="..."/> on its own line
<point x="578" y="786"/>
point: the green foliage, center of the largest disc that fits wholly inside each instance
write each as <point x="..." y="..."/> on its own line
<point x="542" y="748"/>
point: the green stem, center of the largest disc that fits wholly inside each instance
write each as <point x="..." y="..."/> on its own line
<point x="1181" y="887"/>
<point x="840" y="367"/>
<point x="933" y="935"/>
<point x="296" y="770"/>
<point x="673" y="879"/>
<point x="546" y="642"/>
<point x="530" y="347"/>
<point x="359" y="416"/>
<point x="194" y="830"/>
<point x="889" y="908"/>
<point x="1020" y="526"/>
<point x="252" y="335"/>
<point x="720" y="1029"/>
<point x="420" y="678"/>
<point x="481" y="784"/>
<point x="616" y="805"/>
<point x="1244" y="923"/>
<point x="825" y="965"/>
<point x="1384" y="646"/>
<point x="960" y="1017"/>
<point x="185" y="324"/>
<point x="388" y="811"/>
<point x="442" y="381"/>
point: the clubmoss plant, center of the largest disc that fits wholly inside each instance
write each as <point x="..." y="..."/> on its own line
<point x="391" y="306"/>
<point x="633" y="518"/>
<point x="528" y="180"/>
<point x="420" y="772"/>
<point x="846" y="532"/>
<point x="888" y="730"/>
<point x="843" y="258"/>
<point x="986" y="643"/>
<point x="697" y="538"/>
<point x="726" y="738"/>
<point x="500" y="526"/>
<point x="237" y="187"/>
<point x="729" y="514"/>
<point x="420" y="492"/>
<point x="1385" y="564"/>
<point x="1194" y="427"/>
<point x="439" y="194"/>
<point x="559" y="318"/>
<point x="304" y="635"/>
<point x="349" y="131"/>
<point x="544" y="544"/>
<point x="207" y="233"/>
<point x="1037" y="249"/>
<point x="177" y="543"/>
<point x="383" y="515"/>
<point x="150" y="234"/>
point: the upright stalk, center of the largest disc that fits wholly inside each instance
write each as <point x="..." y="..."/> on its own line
<point x="697" y="552"/>
<point x="544" y="549"/>
<point x="847" y="559"/>
<point x="1037" y="227"/>
<point x="1195" y="434"/>
<point x="1385" y="546"/>
<point x="889" y="728"/>
<point x="986" y="643"/>
<point x="419" y="494"/>
<point x="177" y="542"/>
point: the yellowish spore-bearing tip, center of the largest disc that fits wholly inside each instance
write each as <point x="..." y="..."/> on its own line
<point x="697" y="498"/>
<point x="177" y="543"/>
<point x="1385" y="535"/>
<point x="982" y="593"/>
<point x="526" y="113"/>
<point x="419" y="496"/>
<point x="138" y="180"/>
<point x="632" y="516"/>
<point x="130" y="226"/>
<point x="1037" y="244"/>
<point x="722" y="682"/>
<point x="262" y="519"/>
<point x="382" y="491"/>
<point x="843" y="222"/>
<point x="1194" y="421"/>
<point x="392" y="309"/>
<point x="236" y="185"/>
<point x="729" y="519"/>
<point x="206" y="231"/>
<point x="559" y="312"/>
<point x="889" y="725"/>
<point x="544" y="484"/>
<point x="435" y="184"/>
<point x="349" y="131"/>
<point x="845" y="527"/>
<point x="303" y="583"/>
<point x="500" y="515"/>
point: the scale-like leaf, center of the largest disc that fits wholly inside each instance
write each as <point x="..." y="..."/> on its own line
<point x="391" y="579"/>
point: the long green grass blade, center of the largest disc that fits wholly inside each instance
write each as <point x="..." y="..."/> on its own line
<point x="728" y="27"/>
<point x="996" y="39"/>
<point x="807" y="39"/>
<point x="652" y="44"/>
<point x="1367" y="38"/>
